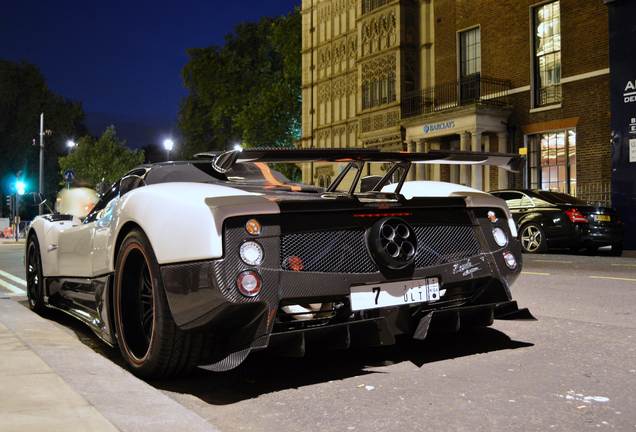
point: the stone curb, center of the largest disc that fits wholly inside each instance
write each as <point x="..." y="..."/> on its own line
<point x="127" y="402"/>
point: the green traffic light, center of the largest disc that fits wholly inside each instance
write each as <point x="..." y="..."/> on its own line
<point x="20" y="187"/>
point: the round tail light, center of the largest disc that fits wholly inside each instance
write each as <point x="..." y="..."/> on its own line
<point x="251" y="253"/>
<point x="249" y="283"/>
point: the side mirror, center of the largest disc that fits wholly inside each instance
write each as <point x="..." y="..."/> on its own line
<point x="129" y="183"/>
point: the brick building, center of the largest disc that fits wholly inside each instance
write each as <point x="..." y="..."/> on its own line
<point x="481" y="75"/>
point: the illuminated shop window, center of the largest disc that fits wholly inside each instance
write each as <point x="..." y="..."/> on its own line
<point x="547" y="54"/>
<point x="552" y="161"/>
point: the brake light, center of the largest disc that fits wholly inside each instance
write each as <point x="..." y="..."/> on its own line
<point x="379" y="215"/>
<point x="576" y="216"/>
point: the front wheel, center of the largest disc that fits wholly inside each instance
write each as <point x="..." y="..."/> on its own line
<point x="149" y="340"/>
<point x="35" y="280"/>
<point x="533" y="239"/>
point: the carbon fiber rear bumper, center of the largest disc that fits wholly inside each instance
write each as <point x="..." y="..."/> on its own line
<point x="469" y="265"/>
<point x="203" y="295"/>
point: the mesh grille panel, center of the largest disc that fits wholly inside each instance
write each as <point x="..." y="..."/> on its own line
<point x="439" y="244"/>
<point x="342" y="251"/>
<point x="345" y="251"/>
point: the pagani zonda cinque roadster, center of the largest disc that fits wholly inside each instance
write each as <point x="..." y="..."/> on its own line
<point x="198" y="263"/>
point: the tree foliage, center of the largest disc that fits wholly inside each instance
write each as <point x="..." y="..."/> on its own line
<point x="23" y="96"/>
<point x="105" y="158"/>
<point x="247" y="91"/>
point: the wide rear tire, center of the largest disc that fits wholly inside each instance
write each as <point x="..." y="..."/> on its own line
<point x="149" y="340"/>
<point x="35" y="280"/>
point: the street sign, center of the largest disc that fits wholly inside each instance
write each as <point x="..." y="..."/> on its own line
<point x="69" y="175"/>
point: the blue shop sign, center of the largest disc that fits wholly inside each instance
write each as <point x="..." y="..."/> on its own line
<point x="439" y="126"/>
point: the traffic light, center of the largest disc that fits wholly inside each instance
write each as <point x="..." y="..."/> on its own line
<point x="9" y="201"/>
<point x="20" y="187"/>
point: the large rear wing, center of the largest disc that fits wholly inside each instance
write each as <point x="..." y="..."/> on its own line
<point x="356" y="159"/>
<point x="223" y="161"/>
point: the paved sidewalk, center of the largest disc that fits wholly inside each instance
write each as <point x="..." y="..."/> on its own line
<point x="50" y="381"/>
<point x="34" y="398"/>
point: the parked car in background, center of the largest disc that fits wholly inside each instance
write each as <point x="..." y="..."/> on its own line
<point x="558" y="220"/>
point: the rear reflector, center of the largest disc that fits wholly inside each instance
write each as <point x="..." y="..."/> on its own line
<point x="249" y="283"/>
<point x="510" y="260"/>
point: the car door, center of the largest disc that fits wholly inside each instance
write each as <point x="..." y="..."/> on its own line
<point x="553" y="219"/>
<point x="76" y="245"/>
<point x="74" y="250"/>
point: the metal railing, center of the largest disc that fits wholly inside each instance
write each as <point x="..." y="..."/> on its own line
<point x="466" y="91"/>
<point x="595" y="192"/>
<point x="549" y="95"/>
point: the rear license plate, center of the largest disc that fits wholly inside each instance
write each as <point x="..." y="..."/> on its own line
<point x="603" y="218"/>
<point x="394" y="294"/>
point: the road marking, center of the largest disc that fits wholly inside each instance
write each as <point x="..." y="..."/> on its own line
<point x="535" y="273"/>
<point x="13" y="278"/>
<point x="624" y="265"/>
<point x="613" y="278"/>
<point x="14" y="289"/>
<point x="551" y="261"/>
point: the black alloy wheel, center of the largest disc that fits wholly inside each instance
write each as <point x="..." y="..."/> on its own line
<point x="149" y="340"/>
<point x="35" y="280"/>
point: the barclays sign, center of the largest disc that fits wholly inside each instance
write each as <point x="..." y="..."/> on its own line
<point x="439" y="126"/>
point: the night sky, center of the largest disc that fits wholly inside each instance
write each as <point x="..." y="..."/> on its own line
<point x="122" y="59"/>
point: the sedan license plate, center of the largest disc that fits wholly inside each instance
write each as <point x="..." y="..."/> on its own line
<point x="603" y="218"/>
<point x="394" y="294"/>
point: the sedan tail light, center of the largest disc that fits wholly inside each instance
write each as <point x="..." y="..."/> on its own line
<point x="576" y="216"/>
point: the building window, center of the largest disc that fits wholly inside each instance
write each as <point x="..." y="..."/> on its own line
<point x="470" y="52"/>
<point x="552" y="161"/>
<point x="379" y="91"/>
<point x="369" y="5"/>
<point x="469" y="65"/>
<point x="547" y="54"/>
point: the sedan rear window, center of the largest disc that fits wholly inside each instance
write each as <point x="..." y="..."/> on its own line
<point x="559" y="198"/>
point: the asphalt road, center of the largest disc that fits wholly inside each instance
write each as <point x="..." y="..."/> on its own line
<point x="573" y="369"/>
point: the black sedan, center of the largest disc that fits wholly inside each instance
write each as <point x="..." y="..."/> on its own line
<point x="557" y="220"/>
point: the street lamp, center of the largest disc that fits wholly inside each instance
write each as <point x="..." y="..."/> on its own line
<point x="70" y="145"/>
<point x="168" y="145"/>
